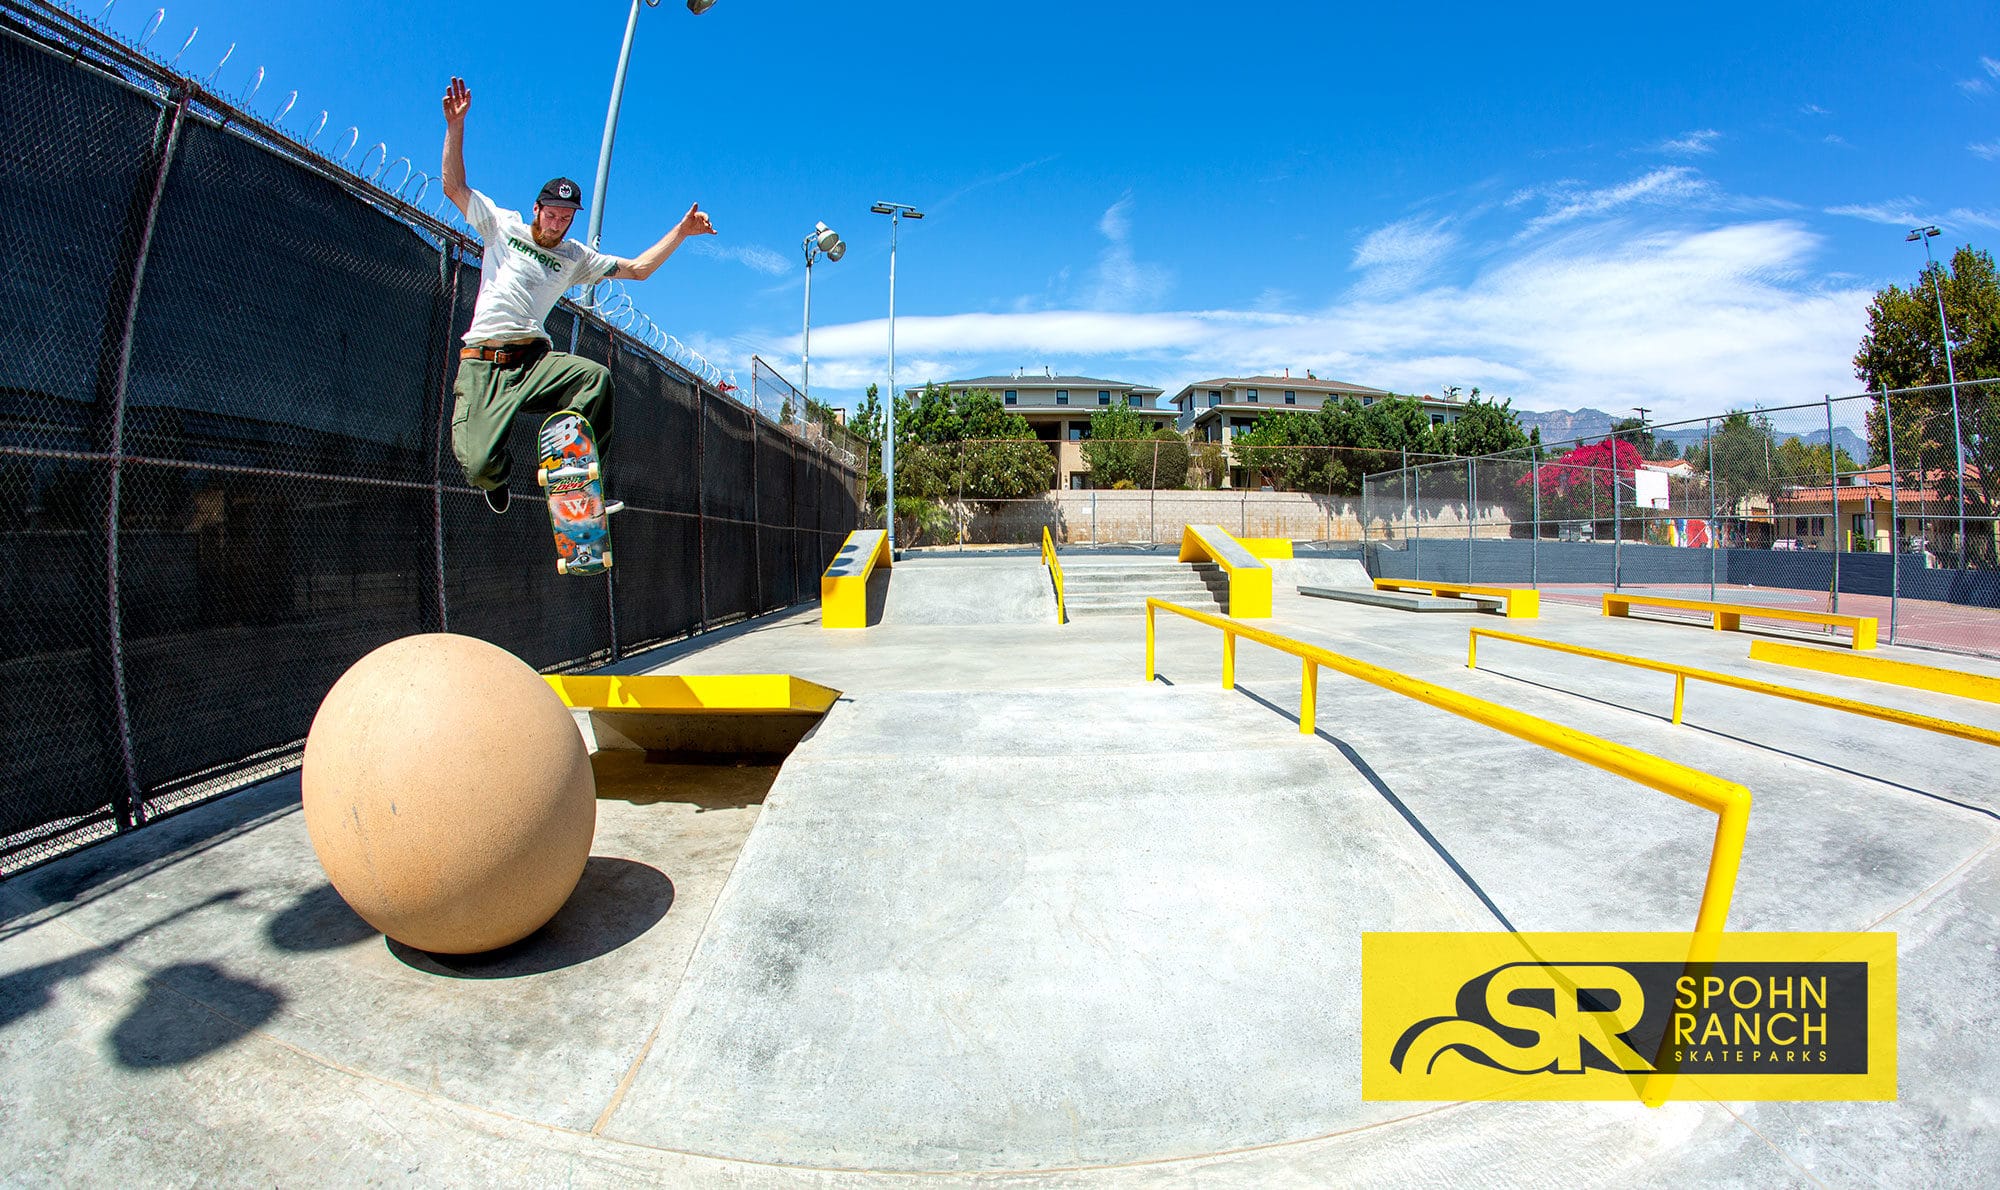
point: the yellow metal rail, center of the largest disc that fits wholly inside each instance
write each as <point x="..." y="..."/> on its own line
<point x="1729" y="801"/>
<point x="1055" y="572"/>
<point x="1879" y="669"/>
<point x="1682" y="673"/>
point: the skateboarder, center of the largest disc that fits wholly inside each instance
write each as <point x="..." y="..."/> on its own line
<point x="508" y="364"/>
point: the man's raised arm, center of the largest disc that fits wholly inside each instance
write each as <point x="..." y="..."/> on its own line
<point x="457" y="99"/>
<point x="694" y="223"/>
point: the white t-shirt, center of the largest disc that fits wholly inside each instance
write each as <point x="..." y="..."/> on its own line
<point x="519" y="280"/>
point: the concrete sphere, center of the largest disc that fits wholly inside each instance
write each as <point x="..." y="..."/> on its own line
<point x="448" y="794"/>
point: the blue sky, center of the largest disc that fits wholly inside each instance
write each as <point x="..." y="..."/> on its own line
<point x="1686" y="207"/>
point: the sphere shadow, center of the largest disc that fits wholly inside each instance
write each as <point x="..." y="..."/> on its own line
<point x="615" y="902"/>
<point x="317" y="920"/>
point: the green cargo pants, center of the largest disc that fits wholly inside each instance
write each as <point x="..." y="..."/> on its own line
<point x="488" y="397"/>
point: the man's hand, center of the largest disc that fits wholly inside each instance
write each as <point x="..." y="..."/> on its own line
<point x="457" y="98"/>
<point x="695" y="223"/>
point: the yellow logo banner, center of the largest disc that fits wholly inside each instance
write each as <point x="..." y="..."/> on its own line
<point x="1628" y="1016"/>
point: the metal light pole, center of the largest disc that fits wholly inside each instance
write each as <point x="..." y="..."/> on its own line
<point x="1926" y="234"/>
<point x="697" y="7"/>
<point x="821" y="240"/>
<point x="896" y="212"/>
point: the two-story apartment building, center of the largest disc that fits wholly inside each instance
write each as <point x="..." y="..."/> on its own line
<point x="1059" y="408"/>
<point x="1216" y="409"/>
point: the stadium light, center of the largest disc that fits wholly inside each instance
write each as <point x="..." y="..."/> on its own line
<point x="697" y="7"/>
<point x="822" y="240"/>
<point x="897" y="212"/>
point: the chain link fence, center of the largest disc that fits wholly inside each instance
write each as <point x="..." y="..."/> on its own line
<point x="817" y="425"/>
<point x="1875" y="503"/>
<point x="225" y="373"/>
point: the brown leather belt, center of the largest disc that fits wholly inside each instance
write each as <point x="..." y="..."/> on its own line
<point x="506" y="355"/>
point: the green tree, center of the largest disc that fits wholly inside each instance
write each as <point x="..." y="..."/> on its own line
<point x="967" y="446"/>
<point x="1115" y="449"/>
<point x="1904" y="349"/>
<point x="1484" y="428"/>
<point x="1743" y="456"/>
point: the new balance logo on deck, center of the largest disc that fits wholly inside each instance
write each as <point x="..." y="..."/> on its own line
<point x="559" y="438"/>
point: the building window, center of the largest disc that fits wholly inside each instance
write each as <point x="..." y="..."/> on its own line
<point x="1437" y="419"/>
<point x="1079" y="482"/>
<point x="1291" y="398"/>
<point x="1062" y="396"/>
<point x="1103" y="397"/>
<point x="1214" y="398"/>
<point x="1135" y="402"/>
<point x="1251" y="396"/>
<point x="1367" y="401"/>
<point x="1012" y="396"/>
<point x="1078" y="430"/>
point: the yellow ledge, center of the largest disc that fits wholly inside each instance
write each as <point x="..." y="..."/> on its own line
<point x="843" y="589"/>
<point x="1249" y="578"/>
<point x="1878" y="669"/>
<point x="1516" y="603"/>
<point x="717" y="694"/>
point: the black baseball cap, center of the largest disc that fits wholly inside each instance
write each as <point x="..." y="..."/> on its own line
<point x="560" y="192"/>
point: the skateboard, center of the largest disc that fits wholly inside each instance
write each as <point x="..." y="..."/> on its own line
<point x="570" y="473"/>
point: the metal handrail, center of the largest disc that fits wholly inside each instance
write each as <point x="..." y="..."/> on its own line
<point x="1729" y="801"/>
<point x="1682" y="673"/>
<point x="1055" y="571"/>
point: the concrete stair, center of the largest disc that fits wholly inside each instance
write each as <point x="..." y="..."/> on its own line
<point x="1121" y="587"/>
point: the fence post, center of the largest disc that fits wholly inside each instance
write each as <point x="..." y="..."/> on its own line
<point x="446" y="265"/>
<point x="1535" y="541"/>
<point x="1708" y="448"/>
<point x="756" y="509"/>
<point x="1471" y="523"/>
<point x="1895" y="519"/>
<point x="701" y="500"/>
<point x="128" y="803"/>
<point x="1833" y="498"/>
<point x="1417" y="499"/>
<point x="1617" y="520"/>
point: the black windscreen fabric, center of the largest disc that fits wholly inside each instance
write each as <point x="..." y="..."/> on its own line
<point x="246" y="596"/>
<point x="63" y="757"/>
<point x="725" y="460"/>
<point x="658" y="561"/>
<point x="282" y="323"/>
<point x="76" y="163"/>
<point x="730" y="570"/>
<point x="651" y="459"/>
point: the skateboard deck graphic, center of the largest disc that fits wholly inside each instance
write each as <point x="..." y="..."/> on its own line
<point x="571" y="474"/>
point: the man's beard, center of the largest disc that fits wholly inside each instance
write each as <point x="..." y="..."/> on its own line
<point x="547" y="239"/>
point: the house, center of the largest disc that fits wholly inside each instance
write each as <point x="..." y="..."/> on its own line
<point x="1861" y="507"/>
<point x="1058" y="409"/>
<point x="1217" y="410"/>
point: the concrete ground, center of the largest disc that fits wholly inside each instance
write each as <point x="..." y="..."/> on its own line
<point x="1011" y="916"/>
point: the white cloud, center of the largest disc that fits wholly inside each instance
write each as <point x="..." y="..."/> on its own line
<point x="1670" y="185"/>
<point x="1400" y="255"/>
<point x="771" y="264"/>
<point x="1701" y="140"/>
<point x="1685" y="322"/>
<point x="1123" y="281"/>
<point x="1988" y="150"/>
<point x="1992" y="66"/>
<point x="1908" y="212"/>
<point x="1833" y="138"/>
<point x="1814" y="109"/>
<point x="1975" y="87"/>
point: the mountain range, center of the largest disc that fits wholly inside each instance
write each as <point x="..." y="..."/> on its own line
<point x="1561" y="426"/>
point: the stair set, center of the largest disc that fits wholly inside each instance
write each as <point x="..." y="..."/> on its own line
<point x="1107" y="587"/>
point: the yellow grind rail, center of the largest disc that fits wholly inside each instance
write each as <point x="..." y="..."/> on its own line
<point x="1729" y="801"/>
<point x="1683" y="673"/>
<point x="1878" y="669"/>
<point x="1055" y="572"/>
<point x="1249" y="584"/>
<point x="843" y="589"/>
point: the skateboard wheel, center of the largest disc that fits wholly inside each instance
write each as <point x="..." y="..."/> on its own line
<point x="562" y="565"/>
<point x="594" y="472"/>
<point x="541" y="477"/>
<point x="607" y="559"/>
